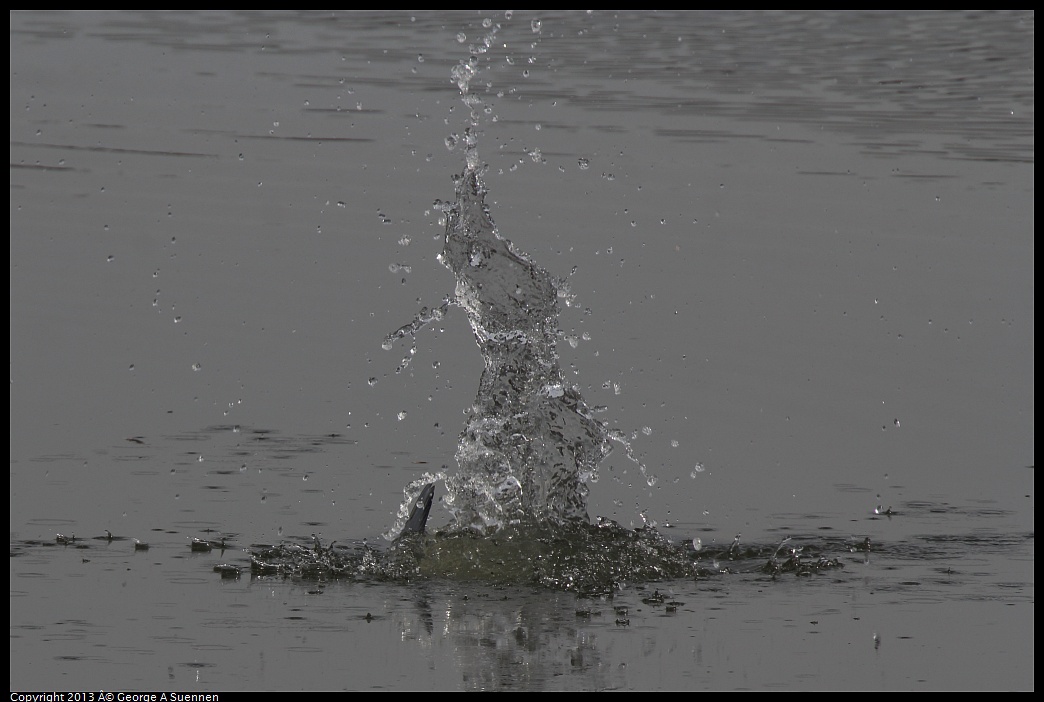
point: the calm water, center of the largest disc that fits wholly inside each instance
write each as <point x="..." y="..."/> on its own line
<point x="803" y="261"/>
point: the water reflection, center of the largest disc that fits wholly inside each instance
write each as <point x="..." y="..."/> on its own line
<point x="510" y="640"/>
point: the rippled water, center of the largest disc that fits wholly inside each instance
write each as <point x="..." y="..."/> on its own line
<point x="799" y="257"/>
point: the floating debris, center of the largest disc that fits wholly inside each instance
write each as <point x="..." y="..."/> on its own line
<point x="200" y="544"/>
<point x="798" y="563"/>
<point x="654" y="599"/>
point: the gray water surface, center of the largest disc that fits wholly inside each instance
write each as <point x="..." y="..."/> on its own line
<point x="803" y="253"/>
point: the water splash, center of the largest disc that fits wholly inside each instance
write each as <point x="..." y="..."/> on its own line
<point x="531" y="443"/>
<point x="590" y="559"/>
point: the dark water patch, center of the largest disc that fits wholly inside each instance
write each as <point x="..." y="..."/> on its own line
<point x="327" y="139"/>
<point x="56" y="458"/>
<point x="590" y="559"/>
<point x="41" y="167"/>
<point x="114" y="150"/>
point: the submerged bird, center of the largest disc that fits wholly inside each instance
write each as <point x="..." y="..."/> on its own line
<point x="421" y="508"/>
